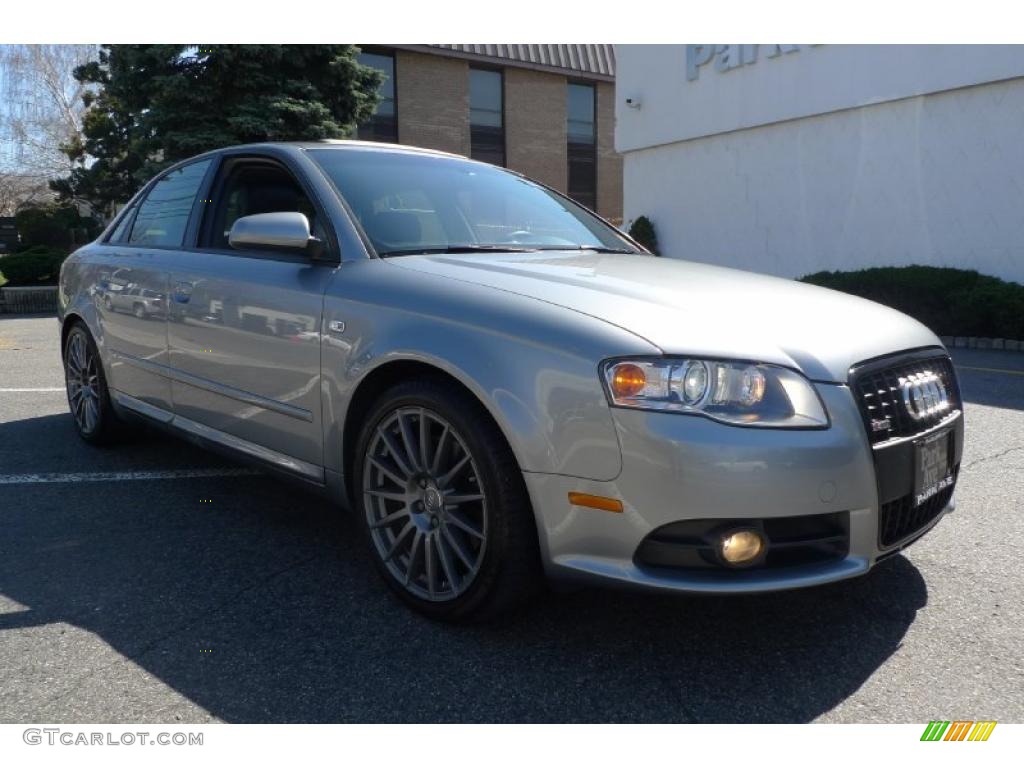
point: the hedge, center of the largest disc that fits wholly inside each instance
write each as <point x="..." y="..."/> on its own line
<point x="37" y="265"/>
<point x="952" y="302"/>
<point x="642" y="230"/>
<point x="54" y="226"/>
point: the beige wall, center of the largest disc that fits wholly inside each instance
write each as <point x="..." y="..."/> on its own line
<point x="432" y="94"/>
<point x="609" y="162"/>
<point x="535" y="126"/>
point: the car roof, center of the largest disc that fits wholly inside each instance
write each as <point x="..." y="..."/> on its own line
<point x="342" y="144"/>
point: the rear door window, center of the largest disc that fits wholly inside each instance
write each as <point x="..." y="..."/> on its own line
<point x="163" y="216"/>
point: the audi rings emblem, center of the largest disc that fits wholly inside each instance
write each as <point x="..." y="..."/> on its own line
<point x="924" y="395"/>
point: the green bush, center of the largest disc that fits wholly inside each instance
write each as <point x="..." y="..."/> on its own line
<point x="54" y="226"/>
<point x="642" y="230"/>
<point x="37" y="265"/>
<point x="952" y="302"/>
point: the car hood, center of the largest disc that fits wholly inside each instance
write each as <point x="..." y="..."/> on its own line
<point x="689" y="308"/>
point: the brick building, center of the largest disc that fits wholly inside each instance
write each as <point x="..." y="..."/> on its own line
<point x="547" y="111"/>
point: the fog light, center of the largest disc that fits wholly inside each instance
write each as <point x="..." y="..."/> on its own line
<point x="740" y="547"/>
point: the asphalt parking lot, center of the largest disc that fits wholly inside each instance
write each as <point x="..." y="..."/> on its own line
<point x="210" y="594"/>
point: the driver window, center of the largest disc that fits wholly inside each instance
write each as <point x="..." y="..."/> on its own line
<point x="252" y="188"/>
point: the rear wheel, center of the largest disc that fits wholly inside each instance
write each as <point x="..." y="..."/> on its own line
<point x="88" y="396"/>
<point x="443" y="504"/>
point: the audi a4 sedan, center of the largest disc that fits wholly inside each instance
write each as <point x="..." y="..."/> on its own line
<point x="504" y="388"/>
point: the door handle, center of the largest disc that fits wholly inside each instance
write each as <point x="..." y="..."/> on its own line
<point x="182" y="292"/>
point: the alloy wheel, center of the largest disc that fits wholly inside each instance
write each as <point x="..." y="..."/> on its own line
<point x="424" y="504"/>
<point x="83" y="383"/>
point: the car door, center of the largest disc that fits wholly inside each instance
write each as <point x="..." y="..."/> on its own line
<point x="135" y="261"/>
<point x="244" y="325"/>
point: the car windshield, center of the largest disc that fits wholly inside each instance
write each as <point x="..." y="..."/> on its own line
<point x="415" y="203"/>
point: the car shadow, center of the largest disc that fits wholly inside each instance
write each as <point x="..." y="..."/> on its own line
<point x="258" y="603"/>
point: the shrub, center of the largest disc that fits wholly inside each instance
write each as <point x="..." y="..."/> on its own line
<point x="642" y="230"/>
<point x="53" y="226"/>
<point x="38" y="265"/>
<point x="952" y="302"/>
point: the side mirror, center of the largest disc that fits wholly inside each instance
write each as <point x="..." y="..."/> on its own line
<point x="285" y="230"/>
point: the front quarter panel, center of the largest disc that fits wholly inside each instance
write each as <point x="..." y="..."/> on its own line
<point x="533" y="365"/>
<point x="678" y="467"/>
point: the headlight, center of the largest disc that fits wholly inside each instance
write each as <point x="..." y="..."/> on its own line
<point x="751" y="394"/>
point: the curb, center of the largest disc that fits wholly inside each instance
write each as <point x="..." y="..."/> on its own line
<point x="975" y="342"/>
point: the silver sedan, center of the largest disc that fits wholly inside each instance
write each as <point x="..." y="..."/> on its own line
<point x="504" y="387"/>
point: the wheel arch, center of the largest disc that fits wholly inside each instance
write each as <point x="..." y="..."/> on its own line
<point x="386" y="375"/>
<point x="80" y="314"/>
<point x="70" y="320"/>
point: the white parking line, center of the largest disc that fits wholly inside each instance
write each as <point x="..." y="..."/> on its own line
<point x="990" y="370"/>
<point x="115" y="477"/>
<point x="31" y="389"/>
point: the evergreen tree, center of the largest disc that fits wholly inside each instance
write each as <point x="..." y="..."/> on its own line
<point x="158" y="104"/>
<point x="642" y="230"/>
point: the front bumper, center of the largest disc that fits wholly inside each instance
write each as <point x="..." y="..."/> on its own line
<point x="678" y="467"/>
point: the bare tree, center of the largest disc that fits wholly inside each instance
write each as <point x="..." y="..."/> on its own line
<point x="17" y="191"/>
<point x="40" y="109"/>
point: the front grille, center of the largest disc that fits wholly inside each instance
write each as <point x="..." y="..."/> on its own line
<point x="692" y="545"/>
<point x="878" y="388"/>
<point x="900" y="519"/>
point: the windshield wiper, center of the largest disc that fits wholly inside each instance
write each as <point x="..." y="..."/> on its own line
<point x="595" y="248"/>
<point x="459" y="249"/>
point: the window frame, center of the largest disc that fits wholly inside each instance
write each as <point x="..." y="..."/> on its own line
<point x="332" y="248"/>
<point x="500" y="71"/>
<point x="187" y="235"/>
<point x="593" y="87"/>
<point x="228" y="161"/>
<point x="132" y="208"/>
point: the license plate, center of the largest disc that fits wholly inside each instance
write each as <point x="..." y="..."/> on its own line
<point x="932" y="468"/>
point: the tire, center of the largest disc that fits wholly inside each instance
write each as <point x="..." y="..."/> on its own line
<point x="139" y="311"/>
<point x="88" y="395"/>
<point x="453" y="535"/>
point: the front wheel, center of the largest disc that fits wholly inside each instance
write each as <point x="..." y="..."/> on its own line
<point x="444" y="505"/>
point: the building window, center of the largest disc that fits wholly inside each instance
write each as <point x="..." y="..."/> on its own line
<point x="581" y="134"/>
<point x="486" y="116"/>
<point x="383" y="126"/>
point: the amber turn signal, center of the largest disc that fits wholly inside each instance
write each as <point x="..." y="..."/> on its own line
<point x="595" y="502"/>
<point x="628" y="380"/>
